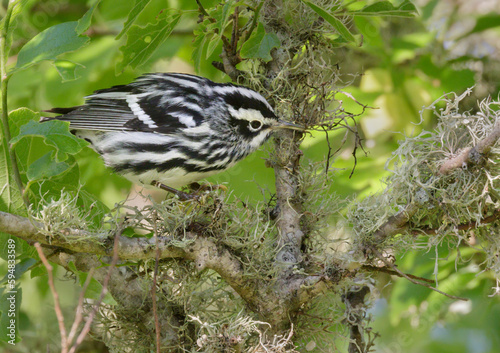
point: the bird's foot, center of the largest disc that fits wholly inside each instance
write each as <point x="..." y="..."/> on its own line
<point x="183" y="196"/>
<point x="204" y="187"/>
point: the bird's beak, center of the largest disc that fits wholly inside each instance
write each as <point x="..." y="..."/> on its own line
<point x="286" y="125"/>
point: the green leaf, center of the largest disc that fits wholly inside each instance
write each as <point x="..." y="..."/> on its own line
<point x="51" y="43"/>
<point x="17" y="8"/>
<point x="94" y="288"/>
<point x="143" y="41"/>
<point x="19" y="269"/>
<point x="67" y="70"/>
<point x="132" y="16"/>
<point x="221" y="16"/>
<point x="485" y="22"/>
<point x="46" y="167"/>
<point x="337" y="24"/>
<point x="55" y="133"/>
<point x="212" y="45"/>
<point x="84" y="22"/>
<point x="38" y="271"/>
<point x="200" y="46"/>
<point x="386" y="8"/>
<point x="10" y="196"/>
<point x="260" y="44"/>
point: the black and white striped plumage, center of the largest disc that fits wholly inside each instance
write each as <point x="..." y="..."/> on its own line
<point x="172" y="128"/>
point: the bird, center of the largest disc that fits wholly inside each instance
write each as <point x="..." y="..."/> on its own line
<point x="172" y="129"/>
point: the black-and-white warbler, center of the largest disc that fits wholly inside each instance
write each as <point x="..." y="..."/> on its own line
<point x="173" y="128"/>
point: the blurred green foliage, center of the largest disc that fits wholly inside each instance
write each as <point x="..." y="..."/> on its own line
<point x="400" y="66"/>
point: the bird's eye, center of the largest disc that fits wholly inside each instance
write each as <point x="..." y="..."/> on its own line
<point x="255" y="125"/>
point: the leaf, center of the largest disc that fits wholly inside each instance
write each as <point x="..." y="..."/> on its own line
<point x="337" y="24"/>
<point x="85" y="21"/>
<point x="386" y="8"/>
<point x="221" y="16"/>
<point x="132" y="16"/>
<point x="38" y="271"/>
<point x="212" y="45"/>
<point x="67" y="70"/>
<point x="17" y="8"/>
<point x="94" y="288"/>
<point x="143" y="41"/>
<point x="19" y="269"/>
<point x="46" y="167"/>
<point x="260" y="44"/>
<point x="51" y="43"/>
<point x="200" y="46"/>
<point x="55" y="133"/>
<point x="485" y="22"/>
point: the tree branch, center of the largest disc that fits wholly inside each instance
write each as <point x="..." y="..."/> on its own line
<point x="472" y="155"/>
<point x="204" y="252"/>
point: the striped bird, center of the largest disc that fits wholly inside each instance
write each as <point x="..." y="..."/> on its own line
<point x="173" y="128"/>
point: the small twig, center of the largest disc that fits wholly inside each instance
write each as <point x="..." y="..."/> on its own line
<point x="395" y="223"/>
<point x="235" y="32"/>
<point x="201" y="8"/>
<point x="57" y="305"/>
<point x="394" y="273"/>
<point x="97" y="304"/>
<point x="391" y="265"/>
<point x="153" y="288"/>
<point x="472" y="155"/>
<point x="79" y="308"/>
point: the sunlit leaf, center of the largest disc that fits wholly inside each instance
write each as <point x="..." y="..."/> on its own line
<point x="55" y="133"/>
<point x="200" y="47"/>
<point x="484" y="23"/>
<point x="260" y="44"/>
<point x="337" y="24"/>
<point x="67" y="70"/>
<point x="51" y="43"/>
<point x="143" y="41"/>
<point x="84" y="22"/>
<point x="386" y="8"/>
<point x="132" y="16"/>
<point x="212" y="45"/>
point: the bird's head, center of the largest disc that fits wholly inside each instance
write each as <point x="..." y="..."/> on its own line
<point x="250" y="119"/>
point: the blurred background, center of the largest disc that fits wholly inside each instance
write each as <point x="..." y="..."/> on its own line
<point x="403" y="65"/>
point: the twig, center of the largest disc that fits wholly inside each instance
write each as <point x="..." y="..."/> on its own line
<point x="391" y="265"/>
<point x="394" y="224"/>
<point x="153" y="288"/>
<point x="97" y="304"/>
<point x="474" y="154"/>
<point x="79" y="308"/>
<point x="57" y="305"/>
<point x="201" y="8"/>
<point x="394" y="273"/>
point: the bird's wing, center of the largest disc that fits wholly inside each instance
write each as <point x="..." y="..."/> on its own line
<point x="162" y="103"/>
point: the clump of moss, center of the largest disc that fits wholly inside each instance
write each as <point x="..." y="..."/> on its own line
<point x="450" y="207"/>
